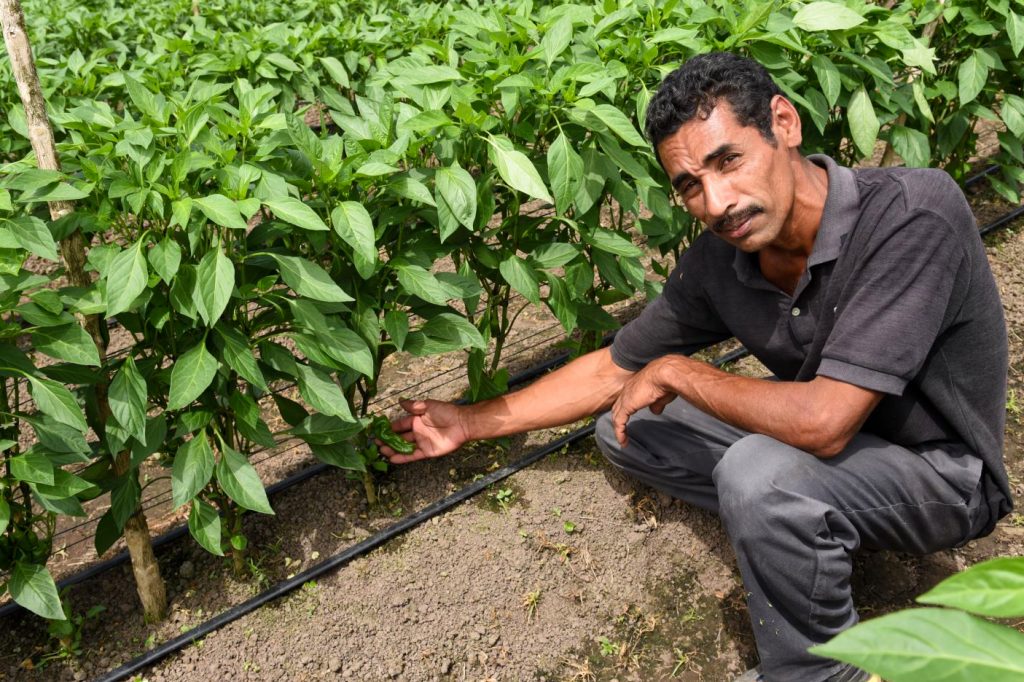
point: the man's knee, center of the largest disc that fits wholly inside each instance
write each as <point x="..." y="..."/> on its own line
<point x="756" y="472"/>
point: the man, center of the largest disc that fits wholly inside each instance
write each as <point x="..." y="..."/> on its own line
<point x="867" y="293"/>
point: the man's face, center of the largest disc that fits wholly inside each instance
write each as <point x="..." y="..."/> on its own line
<point x="731" y="178"/>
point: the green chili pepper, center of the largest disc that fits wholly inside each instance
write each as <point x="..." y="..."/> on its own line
<point x="381" y="429"/>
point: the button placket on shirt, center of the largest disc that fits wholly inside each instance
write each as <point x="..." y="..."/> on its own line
<point x="801" y="322"/>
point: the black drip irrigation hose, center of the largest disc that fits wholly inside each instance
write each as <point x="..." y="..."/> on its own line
<point x="980" y="175"/>
<point x="1002" y="221"/>
<point x="340" y="559"/>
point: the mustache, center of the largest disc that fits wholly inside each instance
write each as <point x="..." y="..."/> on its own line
<point x="732" y="220"/>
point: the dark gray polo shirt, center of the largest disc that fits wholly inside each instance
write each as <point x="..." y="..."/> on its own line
<point x="919" y="319"/>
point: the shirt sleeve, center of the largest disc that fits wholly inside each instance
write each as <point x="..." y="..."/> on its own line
<point x="896" y="303"/>
<point x="680" y="321"/>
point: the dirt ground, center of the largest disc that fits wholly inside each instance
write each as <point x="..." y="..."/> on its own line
<point x="565" y="571"/>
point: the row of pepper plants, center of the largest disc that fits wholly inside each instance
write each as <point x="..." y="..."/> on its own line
<point x="245" y="250"/>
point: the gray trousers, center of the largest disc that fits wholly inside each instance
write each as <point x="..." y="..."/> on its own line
<point x="795" y="520"/>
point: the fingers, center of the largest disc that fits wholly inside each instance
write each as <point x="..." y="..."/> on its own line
<point x="413" y="406"/>
<point x="395" y="458"/>
<point x="620" y="416"/>
<point x="658" y="406"/>
<point x="403" y="424"/>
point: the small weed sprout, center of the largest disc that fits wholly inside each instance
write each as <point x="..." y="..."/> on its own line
<point x="68" y="632"/>
<point x="530" y="602"/>
<point x="682" y="658"/>
<point x="608" y="647"/>
<point x="1013" y="408"/>
<point x="260" y="579"/>
<point x="505" y="497"/>
<point x="692" y="615"/>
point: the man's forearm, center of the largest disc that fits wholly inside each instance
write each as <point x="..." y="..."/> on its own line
<point x="819" y="416"/>
<point x="585" y="386"/>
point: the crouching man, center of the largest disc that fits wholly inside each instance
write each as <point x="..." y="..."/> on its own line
<point x="868" y="295"/>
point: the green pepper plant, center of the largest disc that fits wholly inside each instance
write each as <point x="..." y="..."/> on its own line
<point x="42" y="426"/>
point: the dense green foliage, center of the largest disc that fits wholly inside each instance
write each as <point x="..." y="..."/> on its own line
<point x="246" y="250"/>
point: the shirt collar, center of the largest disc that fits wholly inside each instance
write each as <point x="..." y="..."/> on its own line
<point x="842" y="206"/>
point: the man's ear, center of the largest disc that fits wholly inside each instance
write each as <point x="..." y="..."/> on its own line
<point x="786" y="122"/>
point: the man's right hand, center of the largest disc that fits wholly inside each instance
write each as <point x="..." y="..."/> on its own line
<point x="436" y="428"/>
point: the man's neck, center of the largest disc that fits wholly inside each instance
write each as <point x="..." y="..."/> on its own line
<point x="785" y="259"/>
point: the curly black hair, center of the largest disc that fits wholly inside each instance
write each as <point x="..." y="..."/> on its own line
<point x="696" y="87"/>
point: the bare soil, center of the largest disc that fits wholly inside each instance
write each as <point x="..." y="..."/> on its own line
<point x="565" y="571"/>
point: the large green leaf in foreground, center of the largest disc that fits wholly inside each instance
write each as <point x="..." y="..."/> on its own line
<point x="931" y="645"/>
<point x="992" y="588"/>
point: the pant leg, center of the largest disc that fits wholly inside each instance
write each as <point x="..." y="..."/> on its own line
<point x="674" y="452"/>
<point x="795" y="520"/>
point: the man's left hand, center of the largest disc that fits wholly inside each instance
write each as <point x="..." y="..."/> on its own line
<point x="647" y="388"/>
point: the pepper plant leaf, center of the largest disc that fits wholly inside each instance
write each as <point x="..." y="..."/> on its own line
<point x="191" y="375"/>
<point x="521" y="277"/>
<point x="322" y="393"/>
<point x="422" y="283"/>
<point x="215" y="279"/>
<point x="516" y="169"/>
<point x="931" y="644"/>
<point x="240" y="481"/>
<point x="291" y="210"/>
<point x="57" y="401"/>
<point x="32" y="467"/>
<point x="863" y="121"/>
<point x="353" y="224"/>
<point x="34" y="236"/>
<point x="204" y="526"/>
<point x="192" y="470"/>
<point x="165" y="257"/>
<point x="32" y="586"/>
<point x="971" y="78"/>
<point x="455" y="197"/>
<point x="617" y="122"/>
<point x="67" y="342"/>
<point x="239" y="356"/>
<point x="309" y="279"/>
<point x="992" y="588"/>
<point x="220" y="210"/>
<point x="127" y="398"/>
<point x="565" y="171"/>
<point x="126" y="279"/>
<point x="827" y="16"/>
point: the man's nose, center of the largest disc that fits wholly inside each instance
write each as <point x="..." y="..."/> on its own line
<point x="719" y="197"/>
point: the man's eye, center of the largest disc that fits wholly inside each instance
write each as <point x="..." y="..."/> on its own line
<point x="688" y="187"/>
<point x="729" y="158"/>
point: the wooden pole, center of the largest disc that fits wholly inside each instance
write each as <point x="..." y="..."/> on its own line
<point x="12" y="21"/>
